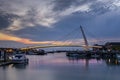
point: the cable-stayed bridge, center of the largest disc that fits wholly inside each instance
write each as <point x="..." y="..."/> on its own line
<point x="86" y="46"/>
<point x="48" y="46"/>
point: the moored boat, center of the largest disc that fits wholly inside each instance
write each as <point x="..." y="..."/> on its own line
<point x="19" y="58"/>
<point x="118" y="57"/>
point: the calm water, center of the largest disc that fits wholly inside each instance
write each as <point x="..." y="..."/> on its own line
<point x="59" y="67"/>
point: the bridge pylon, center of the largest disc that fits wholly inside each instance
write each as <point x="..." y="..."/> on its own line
<point x="85" y="39"/>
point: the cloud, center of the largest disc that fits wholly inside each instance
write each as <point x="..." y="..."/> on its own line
<point x="60" y="5"/>
<point x="17" y="42"/>
<point x="48" y="12"/>
<point x="16" y="16"/>
<point x="117" y="3"/>
<point x="5" y="37"/>
<point x="31" y="13"/>
<point x="21" y="40"/>
<point x="6" y="19"/>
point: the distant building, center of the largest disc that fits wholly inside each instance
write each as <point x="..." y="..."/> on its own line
<point x="113" y="45"/>
<point x="97" y="49"/>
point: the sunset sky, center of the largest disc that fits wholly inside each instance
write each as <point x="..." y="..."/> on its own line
<point x="44" y="22"/>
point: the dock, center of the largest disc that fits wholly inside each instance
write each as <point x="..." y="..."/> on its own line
<point x="4" y="63"/>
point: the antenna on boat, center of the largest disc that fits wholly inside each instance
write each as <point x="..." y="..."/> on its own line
<point x="85" y="39"/>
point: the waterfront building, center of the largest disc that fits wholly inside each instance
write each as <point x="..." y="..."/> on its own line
<point x="112" y="45"/>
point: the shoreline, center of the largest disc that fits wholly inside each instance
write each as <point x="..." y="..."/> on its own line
<point x="4" y="63"/>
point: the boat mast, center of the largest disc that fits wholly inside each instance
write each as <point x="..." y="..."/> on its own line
<point x="85" y="39"/>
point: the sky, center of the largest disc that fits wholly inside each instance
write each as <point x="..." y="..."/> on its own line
<point x="45" y="22"/>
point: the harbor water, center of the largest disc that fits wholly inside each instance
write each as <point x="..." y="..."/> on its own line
<point x="60" y="67"/>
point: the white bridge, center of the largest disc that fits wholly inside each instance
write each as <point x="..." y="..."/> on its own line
<point x="48" y="46"/>
<point x="86" y="46"/>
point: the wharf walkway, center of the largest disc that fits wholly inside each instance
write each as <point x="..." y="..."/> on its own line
<point x="4" y="63"/>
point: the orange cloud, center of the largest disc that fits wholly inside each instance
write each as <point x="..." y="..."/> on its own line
<point x="21" y="40"/>
<point x="28" y="41"/>
<point x="7" y="37"/>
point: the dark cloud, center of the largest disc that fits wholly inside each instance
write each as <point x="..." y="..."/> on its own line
<point x="100" y="19"/>
<point x="32" y="17"/>
<point x="62" y="4"/>
<point x="99" y="8"/>
<point x="38" y="33"/>
<point x="5" y="20"/>
<point x="96" y="7"/>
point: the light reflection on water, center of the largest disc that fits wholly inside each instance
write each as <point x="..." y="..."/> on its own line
<point x="59" y="67"/>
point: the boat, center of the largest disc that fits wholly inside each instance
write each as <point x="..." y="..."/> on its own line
<point x="118" y="57"/>
<point x="41" y="52"/>
<point x="79" y="54"/>
<point x="19" y="58"/>
<point x="94" y="55"/>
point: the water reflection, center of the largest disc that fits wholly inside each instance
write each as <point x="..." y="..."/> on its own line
<point x="77" y="58"/>
<point x="112" y="62"/>
<point x="20" y="66"/>
<point x="87" y="61"/>
<point x="60" y="67"/>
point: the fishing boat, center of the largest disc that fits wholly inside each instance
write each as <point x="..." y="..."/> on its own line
<point x="19" y="58"/>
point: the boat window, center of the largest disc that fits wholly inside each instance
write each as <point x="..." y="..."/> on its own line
<point x="19" y="56"/>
